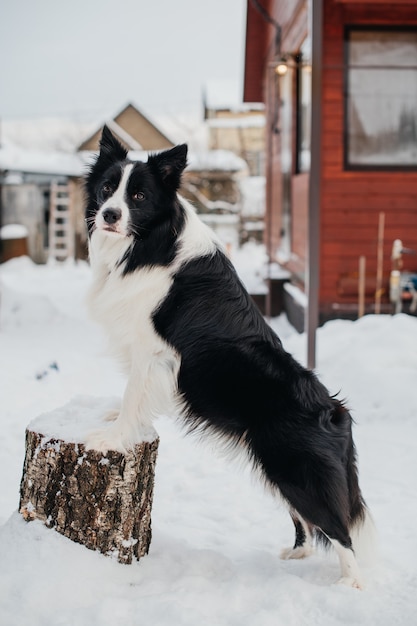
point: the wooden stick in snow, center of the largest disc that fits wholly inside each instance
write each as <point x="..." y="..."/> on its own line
<point x="380" y="263"/>
<point x="361" y="286"/>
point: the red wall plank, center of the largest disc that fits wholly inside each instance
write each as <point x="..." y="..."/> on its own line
<point x="353" y="200"/>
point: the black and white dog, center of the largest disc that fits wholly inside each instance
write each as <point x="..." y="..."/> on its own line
<point x="187" y="334"/>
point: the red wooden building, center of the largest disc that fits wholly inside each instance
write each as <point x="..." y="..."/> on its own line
<point x="339" y="81"/>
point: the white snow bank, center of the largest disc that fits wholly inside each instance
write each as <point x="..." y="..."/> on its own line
<point x="252" y="189"/>
<point x="250" y="261"/>
<point x="27" y="298"/>
<point x="216" y="533"/>
<point x="19" y="309"/>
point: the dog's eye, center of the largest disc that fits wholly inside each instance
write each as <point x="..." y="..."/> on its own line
<point x="138" y="195"/>
<point x="106" y="190"/>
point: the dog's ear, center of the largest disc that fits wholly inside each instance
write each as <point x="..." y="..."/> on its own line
<point x="169" y="165"/>
<point x="110" y="147"/>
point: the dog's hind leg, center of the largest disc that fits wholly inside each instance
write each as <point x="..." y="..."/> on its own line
<point x="316" y="488"/>
<point x="303" y="546"/>
<point x="322" y="509"/>
<point x="351" y="575"/>
<point x="336" y="531"/>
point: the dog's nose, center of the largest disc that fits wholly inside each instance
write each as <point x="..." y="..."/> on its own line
<point x="111" y="216"/>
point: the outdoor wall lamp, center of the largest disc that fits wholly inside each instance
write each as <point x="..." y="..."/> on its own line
<point x="282" y="68"/>
<point x="286" y="61"/>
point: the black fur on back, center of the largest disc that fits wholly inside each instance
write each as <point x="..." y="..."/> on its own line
<point x="236" y="377"/>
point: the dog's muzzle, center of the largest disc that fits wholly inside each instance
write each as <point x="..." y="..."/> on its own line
<point x="111" y="221"/>
<point x="111" y="216"/>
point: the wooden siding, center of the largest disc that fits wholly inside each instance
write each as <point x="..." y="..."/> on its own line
<point x="261" y="41"/>
<point x="352" y="200"/>
<point x="256" y="52"/>
<point x="299" y="221"/>
<point x="261" y="84"/>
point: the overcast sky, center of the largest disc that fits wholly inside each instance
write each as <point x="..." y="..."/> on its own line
<point x="84" y="58"/>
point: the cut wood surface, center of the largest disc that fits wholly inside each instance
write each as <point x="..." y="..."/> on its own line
<point x="102" y="501"/>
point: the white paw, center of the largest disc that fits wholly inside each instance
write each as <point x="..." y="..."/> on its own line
<point x="106" y="439"/>
<point x="120" y="435"/>
<point x="111" y="416"/>
<point x="301" y="552"/>
<point x="350" y="582"/>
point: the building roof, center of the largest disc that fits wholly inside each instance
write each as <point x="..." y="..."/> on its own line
<point x="226" y="95"/>
<point x="14" y="159"/>
<point x="133" y="129"/>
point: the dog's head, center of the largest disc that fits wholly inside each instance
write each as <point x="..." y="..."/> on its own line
<point x="130" y="199"/>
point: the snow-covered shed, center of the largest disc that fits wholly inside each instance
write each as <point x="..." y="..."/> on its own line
<point x="235" y="125"/>
<point x="27" y="178"/>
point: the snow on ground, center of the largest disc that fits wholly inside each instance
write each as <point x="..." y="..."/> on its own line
<point x="250" y="261"/>
<point x="216" y="533"/>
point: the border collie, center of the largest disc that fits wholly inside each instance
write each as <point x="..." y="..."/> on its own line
<point x="188" y="335"/>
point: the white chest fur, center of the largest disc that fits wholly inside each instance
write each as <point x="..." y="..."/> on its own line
<point x="123" y="305"/>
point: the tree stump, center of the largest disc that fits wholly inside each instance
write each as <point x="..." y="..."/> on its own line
<point x="102" y="501"/>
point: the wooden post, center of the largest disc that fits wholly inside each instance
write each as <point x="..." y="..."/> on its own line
<point x="314" y="194"/>
<point x="361" y="286"/>
<point x="380" y="263"/>
<point x="102" y="501"/>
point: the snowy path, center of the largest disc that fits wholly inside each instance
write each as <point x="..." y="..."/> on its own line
<point x="216" y="533"/>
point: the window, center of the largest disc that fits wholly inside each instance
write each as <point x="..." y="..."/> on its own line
<point x="381" y="98"/>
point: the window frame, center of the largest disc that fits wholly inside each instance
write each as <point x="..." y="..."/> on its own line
<point x="347" y="165"/>
<point x="302" y="62"/>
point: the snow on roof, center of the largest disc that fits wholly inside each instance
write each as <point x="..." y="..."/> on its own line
<point x="223" y="160"/>
<point x="226" y="94"/>
<point x="13" y="231"/>
<point x="63" y="134"/>
<point x="57" y="134"/>
<point x="200" y="160"/>
<point x="14" y="159"/>
<point x="185" y="128"/>
<point x="127" y="138"/>
<point x="48" y="145"/>
<point x="245" y="121"/>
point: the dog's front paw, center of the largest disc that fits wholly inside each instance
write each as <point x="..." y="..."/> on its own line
<point x="111" y="415"/>
<point x="300" y="552"/>
<point x="356" y="583"/>
<point x="106" y="439"/>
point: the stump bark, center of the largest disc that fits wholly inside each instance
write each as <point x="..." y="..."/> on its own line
<point x="102" y="501"/>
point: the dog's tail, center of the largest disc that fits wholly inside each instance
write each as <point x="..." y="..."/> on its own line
<point x="361" y="528"/>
